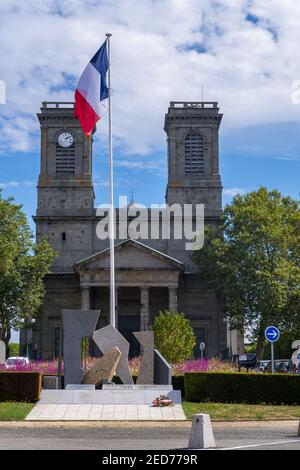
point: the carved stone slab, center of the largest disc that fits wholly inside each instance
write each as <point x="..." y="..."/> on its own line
<point x="2" y="352"/>
<point x="108" y="337"/>
<point x="77" y="325"/>
<point x="104" y="369"/>
<point x="146" y="373"/>
<point x="162" y="370"/>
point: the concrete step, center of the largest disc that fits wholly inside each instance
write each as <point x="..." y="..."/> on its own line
<point x="116" y="397"/>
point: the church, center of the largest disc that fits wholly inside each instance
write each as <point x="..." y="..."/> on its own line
<point x="151" y="274"/>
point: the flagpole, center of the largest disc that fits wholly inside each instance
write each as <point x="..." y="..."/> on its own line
<point x="112" y="308"/>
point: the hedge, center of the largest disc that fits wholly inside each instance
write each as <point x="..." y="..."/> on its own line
<point x="20" y="386"/>
<point x="178" y="383"/>
<point x="232" y="387"/>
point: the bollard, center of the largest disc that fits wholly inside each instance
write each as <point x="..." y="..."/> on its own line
<point x="201" y="435"/>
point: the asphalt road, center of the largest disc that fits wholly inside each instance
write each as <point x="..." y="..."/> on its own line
<point x="274" y="435"/>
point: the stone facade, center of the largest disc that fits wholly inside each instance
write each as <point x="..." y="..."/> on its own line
<point x="151" y="274"/>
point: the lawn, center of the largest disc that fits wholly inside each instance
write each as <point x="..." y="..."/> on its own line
<point x="234" y="412"/>
<point x="11" y="411"/>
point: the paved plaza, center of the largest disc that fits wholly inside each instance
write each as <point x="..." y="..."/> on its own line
<point x="89" y="412"/>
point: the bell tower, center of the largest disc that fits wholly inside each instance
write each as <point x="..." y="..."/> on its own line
<point x="65" y="182"/>
<point x="193" y="155"/>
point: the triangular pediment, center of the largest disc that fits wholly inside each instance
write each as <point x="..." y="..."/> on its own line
<point x="130" y="254"/>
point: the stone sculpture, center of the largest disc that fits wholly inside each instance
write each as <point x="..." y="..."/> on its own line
<point x="104" y="369"/>
<point x="108" y="337"/>
<point x="77" y="325"/>
<point x="146" y="372"/>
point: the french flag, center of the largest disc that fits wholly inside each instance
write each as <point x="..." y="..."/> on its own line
<point x="91" y="95"/>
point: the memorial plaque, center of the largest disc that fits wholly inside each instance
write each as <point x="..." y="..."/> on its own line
<point x="136" y="387"/>
<point x="80" y="387"/>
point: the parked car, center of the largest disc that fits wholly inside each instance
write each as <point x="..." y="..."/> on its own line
<point x="262" y="365"/>
<point x="283" y="366"/>
<point x="16" y="361"/>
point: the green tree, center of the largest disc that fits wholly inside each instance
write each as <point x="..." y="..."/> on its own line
<point x="13" y="349"/>
<point x="253" y="258"/>
<point x="23" y="266"/>
<point x="174" y="336"/>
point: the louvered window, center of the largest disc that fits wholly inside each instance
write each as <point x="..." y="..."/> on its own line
<point x="194" y="154"/>
<point x="65" y="160"/>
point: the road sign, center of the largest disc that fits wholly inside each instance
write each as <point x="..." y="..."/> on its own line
<point x="272" y="334"/>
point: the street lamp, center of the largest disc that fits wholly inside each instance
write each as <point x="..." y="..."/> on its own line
<point x="229" y="330"/>
<point x="28" y="323"/>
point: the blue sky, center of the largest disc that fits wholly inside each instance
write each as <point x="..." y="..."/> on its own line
<point x="243" y="52"/>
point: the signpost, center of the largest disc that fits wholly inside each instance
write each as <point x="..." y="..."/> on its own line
<point x="202" y="347"/>
<point x="272" y="335"/>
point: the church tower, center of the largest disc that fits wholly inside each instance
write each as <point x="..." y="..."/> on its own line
<point x="65" y="181"/>
<point x="193" y="155"/>
<point x="65" y="201"/>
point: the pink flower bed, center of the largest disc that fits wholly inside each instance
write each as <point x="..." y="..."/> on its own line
<point x="203" y="365"/>
<point x="192" y="365"/>
<point x="44" y="367"/>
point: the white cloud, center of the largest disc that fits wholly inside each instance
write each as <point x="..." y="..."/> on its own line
<point x="137" y="164"/>
<point x="17" y="184"/>
<point x="233" y="191"/>
<point x="101" y="184"/>
<point x="249" y="67"/>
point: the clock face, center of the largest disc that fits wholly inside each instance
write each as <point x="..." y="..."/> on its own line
<point x="65" y="139"/>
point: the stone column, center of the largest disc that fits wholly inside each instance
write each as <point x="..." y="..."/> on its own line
<point x="173" y="299"/>
<point x="85" y="298"/>
<point x="144" y="308"/>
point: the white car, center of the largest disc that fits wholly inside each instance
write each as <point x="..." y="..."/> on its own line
<point x="13" y="362"/>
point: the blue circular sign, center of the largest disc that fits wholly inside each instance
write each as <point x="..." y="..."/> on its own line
<point x="272" y="334"/>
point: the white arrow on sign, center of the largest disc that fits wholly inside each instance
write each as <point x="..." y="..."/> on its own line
<point x="272" y="333"/>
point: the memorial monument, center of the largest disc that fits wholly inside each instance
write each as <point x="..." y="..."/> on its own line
<point x="78" y="324"/>
<point x="154" y="378"/>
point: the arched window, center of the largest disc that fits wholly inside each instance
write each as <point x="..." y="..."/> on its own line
<point x="65" y="160"/>
<point x="194" y="154"/>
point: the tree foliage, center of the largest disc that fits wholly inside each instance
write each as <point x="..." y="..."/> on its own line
<point x="253" y="258"/>
<point x="23" y="265"/>
<point x="174" y="336"/>
<point x="13" y="350"/>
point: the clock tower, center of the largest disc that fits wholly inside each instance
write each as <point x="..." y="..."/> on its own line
<point x="65" y="182"/>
